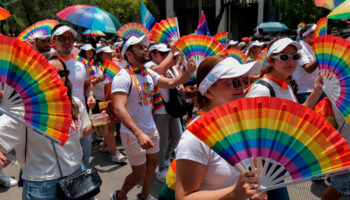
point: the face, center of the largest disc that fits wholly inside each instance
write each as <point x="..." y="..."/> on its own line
<point x="228" y="89"/>
<point x="64" y="43"/>
<point x="158" y="56"/>
<point x="43" y="45"/>
<point x="138" y="53"/>
<point x="89" y="53"/>
<point x="58" y="65"/>
<point x="285" y="68"/>
<point x="257" y="49"/>
<point x="106" y="56"/>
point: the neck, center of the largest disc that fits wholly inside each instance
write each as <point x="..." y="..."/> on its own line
<point x="275" y="74"/>
<point x="61" y="54"/>
<point x="210" y="106"/>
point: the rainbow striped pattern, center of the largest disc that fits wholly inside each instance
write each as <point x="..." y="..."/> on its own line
<point x="263" y="58"/>
<point x="132" y="29"/>
<point x="221" y="37"/>
<point x="92" y="72"/>
<point x="44" y="27"/>
<point x="4" y="14"/>
<point x="278" y="129"/>
<point x="329" y="4"/>
<point x="165" y="31"/>
<point x="93" y="32"/>
<point x="81" y="59"/>
<point x="238" y="55"/>
<point x="332" y="54"/>
<point x="301" y="25"/>
<point x="324" y="108"/>
<point x="117" y="56"/>
<point x="110" y="69"/>
<point x="321" y="28"/>
<point x="157" y="101"/>
<point x="167" y="192"/>
<point x="199" y="47"/>
<point x="46" y="104"/>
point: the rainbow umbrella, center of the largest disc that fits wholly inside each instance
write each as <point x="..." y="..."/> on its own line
<point x="341" y="12"/>
<point x="93" y="32"/>
<point x="329" y="4"/>
<point x="4" y="14"/>
<point x="90" y="17"/>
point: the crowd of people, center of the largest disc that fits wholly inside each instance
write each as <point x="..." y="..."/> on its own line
<point x="151" y="136"/>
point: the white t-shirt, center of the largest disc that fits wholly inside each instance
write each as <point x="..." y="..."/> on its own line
<point x="40" y="163"/>
<point x="258" y="90"/>
<point x="99" y="90"/>
<point x="219" y="173"/>
<point x="78" y="75"/>
<point x="122" y="64"/>
<point x="304" y="79"/>
<point x="139" y="104"/>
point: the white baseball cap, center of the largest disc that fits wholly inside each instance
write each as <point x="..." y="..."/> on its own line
<point x="105" y="49"/>
<point x="281" y="44"/>
<point x="132" y="41"/>
<point x="160" y="47"/>
<point x="62" y="29"/>
<point x="232" y="42"/>
<point x="87" y="47"/>
<point x="255" y="43"/>
<point x="228" y="68"/>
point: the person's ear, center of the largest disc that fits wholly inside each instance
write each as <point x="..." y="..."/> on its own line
<point x="128" y="54"/>
<point x="209" y="93"/>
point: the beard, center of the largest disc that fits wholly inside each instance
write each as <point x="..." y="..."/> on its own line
<point x="142" y="59"/>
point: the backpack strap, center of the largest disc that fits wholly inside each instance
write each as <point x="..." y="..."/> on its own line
<point x="268" y="85"/>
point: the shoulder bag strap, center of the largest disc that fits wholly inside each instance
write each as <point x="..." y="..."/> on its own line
<point x="266" y="84"/>
<point x="58" y="162"/>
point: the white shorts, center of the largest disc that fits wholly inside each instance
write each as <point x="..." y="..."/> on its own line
<point x="135" y="153"/>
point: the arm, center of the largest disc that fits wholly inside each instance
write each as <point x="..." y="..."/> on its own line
<point x="88" y="131"/>
<point x="120" y="100"/>
<point x="96" y="80"/>
<point x="310" y="67"/>
<point x="311" y="101"/>
<point x="168" y="83"/>
<point x="91" y="102"/>
<point x="168" y="62"/>
<point x="189" y="175"/>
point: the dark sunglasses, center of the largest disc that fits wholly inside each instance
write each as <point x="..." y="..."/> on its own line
<point x="63" y="73"/>
<point x="162" y="53"/>
<point x="63" y="38"/>
<point x="285" y="57"/>
<point x="238" y="82"/>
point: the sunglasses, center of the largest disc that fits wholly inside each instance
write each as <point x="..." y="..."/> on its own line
<point x="162" y="53"/>
<point x="285" y="57"/>
<point x="240" y="81"/>
<point x="63" y="38"/>
<point x="63" y="73"/>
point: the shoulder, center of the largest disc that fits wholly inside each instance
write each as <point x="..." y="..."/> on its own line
<point x="258" y="90"/>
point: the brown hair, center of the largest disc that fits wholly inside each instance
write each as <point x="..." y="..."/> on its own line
<point x="203" y="70"/>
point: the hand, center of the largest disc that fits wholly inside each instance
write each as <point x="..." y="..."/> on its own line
<point x="3" y="160"/>
<point x="101" y="78"/>
<point x="144" y="140"/>
<point x="318" y="85"/>
<point x="247" y="185"/>
<point x="259" y="196"/>
<point x="191" y="66"/>
<point x="173" y="48"/>
<point x="91" y="102"/>
<point x="1" y="94"/>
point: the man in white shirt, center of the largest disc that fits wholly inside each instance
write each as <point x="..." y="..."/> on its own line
<point x="133" y="96"/>
<point x="40" y="42"/>
<point x="307" y="69"/>
<point x="63" y="38"/>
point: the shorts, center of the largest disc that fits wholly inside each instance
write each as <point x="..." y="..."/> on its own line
<point x="341" y="183"/>
<point x="135" y="153"/>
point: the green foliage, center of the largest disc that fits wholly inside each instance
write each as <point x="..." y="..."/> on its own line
<point x="26" y="12"/>
<point x="293" y="12"/>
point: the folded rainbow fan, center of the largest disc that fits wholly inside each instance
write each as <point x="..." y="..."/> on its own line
<point x="301" y="25"/>
<point x="165" y="31"/>
<point x="110" y="69"/>
<point x="41" y="28"/>
<point x="333" y="57"/>
<point x="292" y="139"/>
<point x="199" y="47"/>
<point x="321" y="28"/>
<point x="132" y="29"/>
<point x="221" y="37"/>
<point x="263" y="58"/>
<point x="43" y="96"/>
<point x="239" y="56"/>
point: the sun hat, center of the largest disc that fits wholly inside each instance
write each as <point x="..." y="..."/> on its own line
<point x="160" y="47"/>
<point x="281" y="44"/>
<point x="132" y="41"/>
<point x="105" y="49"/>
<point x="62" y="29"/>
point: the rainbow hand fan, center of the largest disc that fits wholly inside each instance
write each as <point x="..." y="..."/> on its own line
<point x="41" y="28"/>
<point x="165" y="31"/>
<point x="292" y="139"/>
<point x="301" y="25"/>
<point x="332" y="54"/>
<point x="42" y="93"/>
<point x="199" y="47"/>
<point x="321" y="28"/>
<point x="132" y="29"/>
<point x="221" y="37"/>
<point x="238" y="55"/>
<point x="263" y="58"/>
<point x="110" y="69"/>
